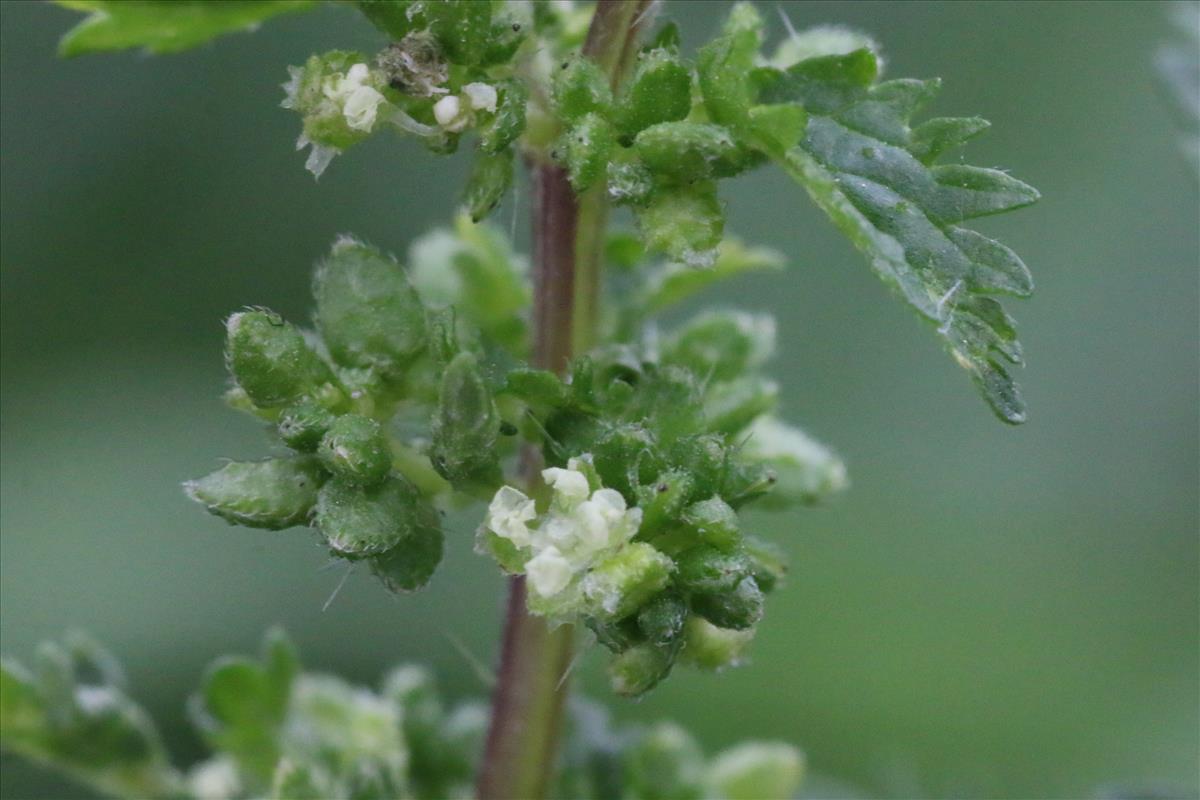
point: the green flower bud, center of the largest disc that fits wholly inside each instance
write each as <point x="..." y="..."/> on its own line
<point x="586" y="148"/>
<point x="356" y="449"/>
<point x="684" y="222"/>
<point x="713" y="521"/>
<point x="270" y="360"/>
<point x="490" y="178"/>
<point x="737" y="610"/>
<point x="756" y="771"/>
<point x="730" y="407"/>
<point x="276" y="493"/>
<point x="409" y="565"/>
<point x="722" y="344"/>
<point x="359" y="521"/>
<point x="768" y="560"/>
<point x="538" y="388"/>
<point x="462" y="27"/>
<point x="665" y="763"/>
<point x="662" y="500"/>
<point x="466" y="424"/>
<point x="705" y="458"/>
<point x="509" y="121"/>
<point x="685" y="151"/>
<point x="629" y="182"/>
<point x="662" y="619"/>
<point x="617" y="636"/>
<point x="639" y="669"/>
<point x="660" y="91"/>
<point x="708" y="570"/>
<point x="368" y="313"/>
<point x="626" y="456"/>
<point x="708" y="647"/>
<point x="621" y="583"/>
<point x="580" y="87"/>
<point x="301" y="426"/>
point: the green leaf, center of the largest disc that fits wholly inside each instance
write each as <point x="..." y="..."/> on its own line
<point x="873" y="175"/>
<point x="242" y="704"/>
<point x="164" y="26"/>
<point x="490" y="178"/>
<point x="659" y="91"/>
<point x="684" y="222"/>
<point x="673" y="282"/>
<point x="275" y="493"/>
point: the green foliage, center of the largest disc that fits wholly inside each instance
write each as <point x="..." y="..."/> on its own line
<point x="164" y="26"/>
<point x="413" y="394"/>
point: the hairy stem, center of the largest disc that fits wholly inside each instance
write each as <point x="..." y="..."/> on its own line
<point x="568" y="237"/>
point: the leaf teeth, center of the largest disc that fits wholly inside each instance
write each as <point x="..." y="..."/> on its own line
<point x="871" y="173"/>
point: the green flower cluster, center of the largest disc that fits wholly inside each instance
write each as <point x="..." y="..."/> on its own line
<point x="279" y="733"/>
<point x="652" y="455"/>
<point x="380" y="360"/>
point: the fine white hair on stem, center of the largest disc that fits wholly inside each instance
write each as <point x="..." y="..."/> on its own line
<point x="337" y="589"/>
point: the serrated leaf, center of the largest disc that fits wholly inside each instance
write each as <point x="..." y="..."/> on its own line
<point x="871" y="173"/>
<point x="164" y="26"/>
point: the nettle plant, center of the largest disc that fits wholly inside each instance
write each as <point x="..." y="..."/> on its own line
<point x="612" y="459"/>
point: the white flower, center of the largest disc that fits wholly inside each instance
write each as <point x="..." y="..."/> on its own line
<point x="362" y="108"/>
<point x="508" y="514"/>
<point x="570" y="486"/>
<point x="548" y="572"/>
<point x="359" y="101"/>
<point x="450" y="114"/>
<point x="481" y="96"/>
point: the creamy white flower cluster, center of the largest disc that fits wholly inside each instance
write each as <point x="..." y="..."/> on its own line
<point x="358" y="100"/>
<point x="578" y="557"/>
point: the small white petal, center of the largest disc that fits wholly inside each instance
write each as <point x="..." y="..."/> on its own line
<point x="361" y="108"/>
<point x="481" y="96"/>
<point x="548" y="572"/>
<point x="570" y="487"/>
<point x="358" y="73"/>
<point x="508" y="514"/>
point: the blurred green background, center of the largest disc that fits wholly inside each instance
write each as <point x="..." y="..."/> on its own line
<point x="988" y="612"/>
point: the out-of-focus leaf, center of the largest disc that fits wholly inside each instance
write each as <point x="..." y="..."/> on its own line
<point x="164" y="26"/>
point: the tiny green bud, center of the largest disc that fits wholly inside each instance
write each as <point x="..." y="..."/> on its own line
<point x="629" y="182"/>
<point x="621" y="583"/>
<point x="409" y="565"/>
<point x="706" y="460"/>
<point x="580" y="87"/>
<point x="639" y="669"/>
<point x="713" y="521"/>
<point x="708" y="570"/>
<point x="587" y="147"/>
<point x="466" y="424"/>
<point x="301" y="426"/>
<point x="539" y="388"/>
<point x="684" y="222"/>
<point x="662" y="619"/>
<point x="738" y="610"/>
<point x="756" y="771"/>
<point x="356" y="449"/>
<point x="662" y="500"/>
<point x="368" y="313"/>
<point x="617" y="636"/>
<point x="730" y="407"/>
<point x="462" y="27"/>
<point x="708" y="647"/>
<point x="665" y="763"/>
<point x="660" y="91"/>
<point x="626" y="456"/>
<point x="768" y="560"/>
<point x="359" y="521"/>
<point x="276" y="493"/>
<point x="685" y="151"/>
<point x="490" y="178"/>
<point x="270" y="360"/>
<point x="509" y="122"/>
